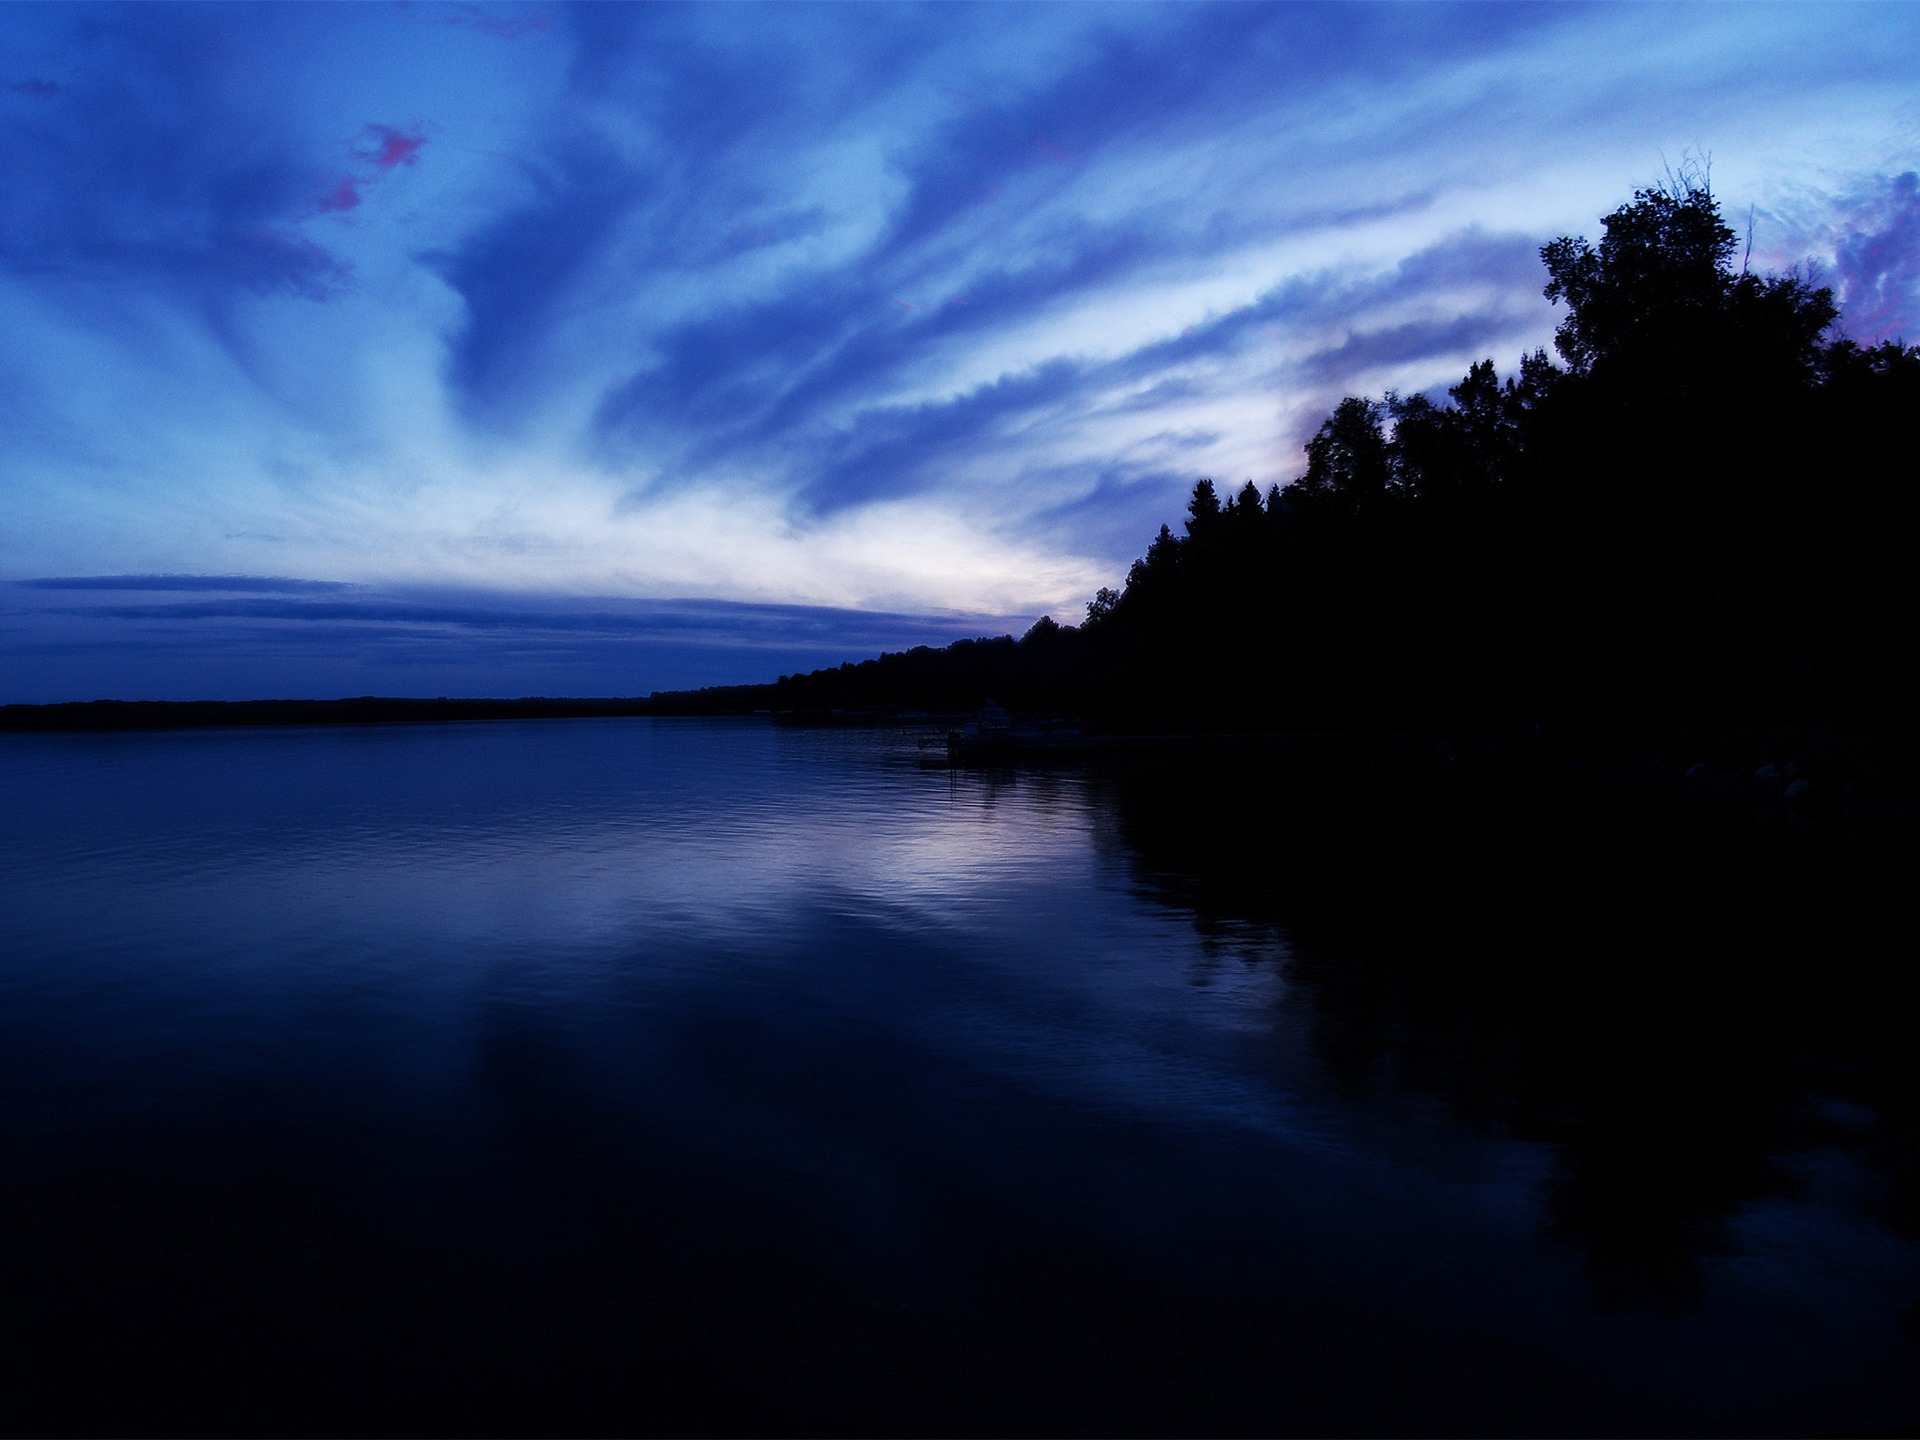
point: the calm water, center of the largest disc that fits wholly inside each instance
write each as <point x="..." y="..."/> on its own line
<point x="637" y="1075"/>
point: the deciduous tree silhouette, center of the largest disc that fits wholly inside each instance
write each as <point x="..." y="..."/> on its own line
<point x="1659" y="270"/>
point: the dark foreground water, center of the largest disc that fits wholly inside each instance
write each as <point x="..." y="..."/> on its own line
<point x="681" y="1076"/>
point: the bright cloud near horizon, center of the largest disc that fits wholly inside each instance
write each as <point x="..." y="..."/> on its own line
<point x="493" y="349"/>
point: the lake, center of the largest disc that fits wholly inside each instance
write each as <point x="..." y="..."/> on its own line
<point x="631" y="1075"/>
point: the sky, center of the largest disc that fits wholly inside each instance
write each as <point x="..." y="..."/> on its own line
<point x="424" y="349"/>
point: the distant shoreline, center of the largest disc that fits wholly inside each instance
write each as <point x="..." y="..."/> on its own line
<point x="1594" y="761"/>
<point x="85" y="716"/>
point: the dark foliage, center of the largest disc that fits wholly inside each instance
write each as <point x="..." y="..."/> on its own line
<point x="1691" y="518"/>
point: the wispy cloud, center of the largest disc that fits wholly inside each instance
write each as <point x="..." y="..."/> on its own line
<point x="117" y="178"/>
<point x="523" y="25"/>
<point x="1876" y="262"/>
<point x="299" y="639"/>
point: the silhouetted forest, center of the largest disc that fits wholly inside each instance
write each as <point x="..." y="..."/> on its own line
<point x="1694" y="516"/>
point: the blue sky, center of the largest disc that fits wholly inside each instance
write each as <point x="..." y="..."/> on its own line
<point x="490" y="349"/>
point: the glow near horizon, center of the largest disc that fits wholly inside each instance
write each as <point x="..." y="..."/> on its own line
<point x="912" y="309"/>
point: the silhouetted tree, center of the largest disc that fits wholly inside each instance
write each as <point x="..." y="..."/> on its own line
<point x="1661" y="263"/>
<point x="1203" y="509"/>
<point x="1348" y="465"/>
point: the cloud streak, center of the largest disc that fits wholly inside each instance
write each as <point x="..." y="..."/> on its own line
<point x="304" y="639"/>
<point x="237" y="584"/>
<point x="1877" y="263"/>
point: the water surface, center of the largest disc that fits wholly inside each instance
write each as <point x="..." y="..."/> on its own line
<point x="642" y="1075"/>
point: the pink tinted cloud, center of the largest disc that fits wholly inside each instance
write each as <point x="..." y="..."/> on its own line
<point x="344" y="196"/>
<point x="379" y="149"/>
<point x="393" y="147"/>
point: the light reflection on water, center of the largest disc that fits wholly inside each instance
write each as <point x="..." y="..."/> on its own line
<point x="479" y="987"/>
